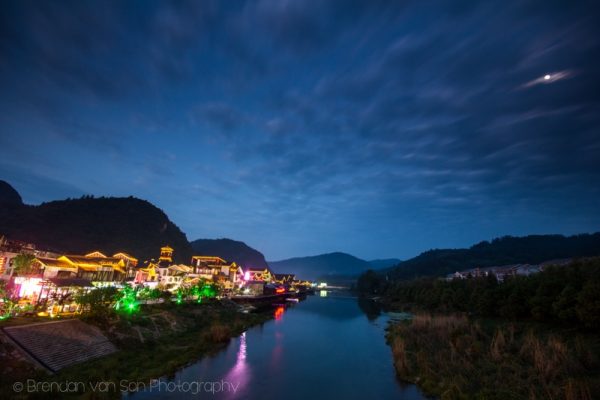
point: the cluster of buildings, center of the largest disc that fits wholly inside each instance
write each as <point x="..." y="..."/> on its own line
<point x="53" y="279"/>
<point x="505" y="271"/>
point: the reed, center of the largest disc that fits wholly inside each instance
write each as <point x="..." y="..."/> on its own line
<point x="453" y="357"/>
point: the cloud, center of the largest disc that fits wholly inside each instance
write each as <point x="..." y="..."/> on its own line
<point x="219" y="115"/>
<point x="322" y="116"/>
<point x="549" y="78"/>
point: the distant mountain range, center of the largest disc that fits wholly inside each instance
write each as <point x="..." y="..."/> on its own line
<point x="313" y="267"/>
<point x="384" y="263"/>
<point x="506" y="250"/>
<point x="230" y="250"/>
<point x="140" y="228"/>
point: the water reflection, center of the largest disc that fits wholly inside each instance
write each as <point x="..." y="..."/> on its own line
<point x="240" y="375"/>
<point x="279" y="312"/>
<point x="324" y="348"/>
<point x="371" y="309"/>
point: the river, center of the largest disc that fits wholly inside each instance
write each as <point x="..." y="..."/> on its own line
<point x="326" y="347"/>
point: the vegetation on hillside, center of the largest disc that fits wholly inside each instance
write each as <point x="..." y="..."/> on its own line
<point x="108" y="224"/>
<point x="230" y="250"/>
<point x="567" y="294"/>
<point x="528" y="337"/>
<point x="501" y="251"/>
<point x="8" y="195"/>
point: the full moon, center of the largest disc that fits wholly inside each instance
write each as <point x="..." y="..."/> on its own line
<point x="546" y="77"/>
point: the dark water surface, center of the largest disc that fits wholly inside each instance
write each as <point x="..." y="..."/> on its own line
<point x="322" y="348"/>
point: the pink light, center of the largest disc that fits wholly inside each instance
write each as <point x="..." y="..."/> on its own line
<point x="247" y="276"/>
<point x="28" y="286"/>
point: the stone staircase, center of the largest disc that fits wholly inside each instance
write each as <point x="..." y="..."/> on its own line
<point x="56" y="345"/>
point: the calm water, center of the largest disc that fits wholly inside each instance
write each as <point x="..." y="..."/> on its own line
<point x="321" y="348"/>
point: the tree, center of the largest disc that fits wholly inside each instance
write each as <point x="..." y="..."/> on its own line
<point x="565" y="306"/>
<point x="23" y="263"/>
<point x="369" y="282"/>
<point x="6" y="304"/>
<point x="588" y="309"/>
<point x="98" y="302"/>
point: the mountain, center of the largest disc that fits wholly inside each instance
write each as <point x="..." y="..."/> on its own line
<point x="322" y="265"/>
<point x="86" y="224"/>
<point x="9" y="196"/>
<point x="501" y="251"/>
<point x="384" y="263"/>
<point x="230" y="250"/>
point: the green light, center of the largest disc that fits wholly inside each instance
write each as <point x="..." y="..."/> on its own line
<point x="127" y="299"/>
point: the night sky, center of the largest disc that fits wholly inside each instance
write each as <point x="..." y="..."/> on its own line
<point x="377" y="128"/>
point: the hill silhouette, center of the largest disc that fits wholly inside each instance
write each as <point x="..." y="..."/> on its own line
<point x="108" y="224"/>
<point x="313" y="267"/>
<point x="501" y="251"/>
<point x="230" y="250"/>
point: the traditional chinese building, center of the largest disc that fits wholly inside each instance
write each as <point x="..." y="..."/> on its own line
<point x="284" y="279"/>
<point x="217" y="269"/>
<point x="258" y="275"/>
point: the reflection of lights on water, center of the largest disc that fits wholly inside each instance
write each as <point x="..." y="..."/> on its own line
<point x="242" y="351"/>
<point x="323" y="293"/>
<point x="239" y="373"/>
<point x="279" y="312"/>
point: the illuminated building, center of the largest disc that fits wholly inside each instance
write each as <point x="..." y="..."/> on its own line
<point x="170" y="276"/>
<point x="53" y="280"/>
<point x="284" y="279"/>
<point x="258" y="274"/>
<point x="166" y="255"/>
<point x="129" y="260"/>
<point x="217" y="269"/>
<point x="95" y="254"/>
<point x="98" y="270"/>
<point x="9" y="249"/>
<point x="147" y="274"/>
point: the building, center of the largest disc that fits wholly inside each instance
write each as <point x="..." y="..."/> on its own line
<point x="258" y="275"/>
<point x="10" y="249"/>
<point x="101" y="271"/>
<point x="130" y="264"/>
<point x="217" y="269"/>
<point x="284" y="279"/>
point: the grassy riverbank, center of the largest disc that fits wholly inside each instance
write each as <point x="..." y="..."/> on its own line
<point x="153" y="343"/>
<point x="454" y="357"/>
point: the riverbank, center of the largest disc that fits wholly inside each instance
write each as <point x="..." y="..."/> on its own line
<point x="454" y="357"/>
<point x="155" y="342"/>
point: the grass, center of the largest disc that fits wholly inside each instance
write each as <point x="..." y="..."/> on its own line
<point x="453" y="357"/>
<point x="152" y="344"/>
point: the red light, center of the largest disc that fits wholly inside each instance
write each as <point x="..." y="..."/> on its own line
<point x="279" y="290"/>
<point x="279" y="312"/>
